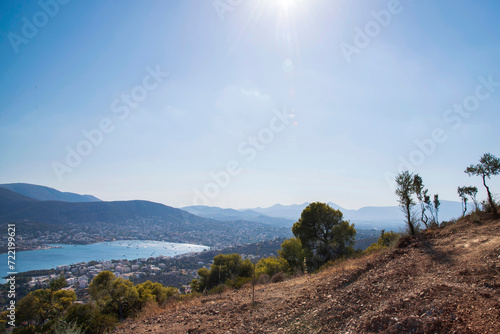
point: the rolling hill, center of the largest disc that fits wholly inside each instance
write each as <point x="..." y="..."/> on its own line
<point x="233" y="215"/>
<point x="43" y="193"/>
<point x="126" y="219"/>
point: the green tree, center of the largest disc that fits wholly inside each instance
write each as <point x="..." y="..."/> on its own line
<point x="422" y="196"/>
<point x="89" y="319"/>
<point x="324" y="234"/>
<point x="224" y="268"/>
<point x="404" y="191"/>
<point x="386" y="239"/>
<point x="291" y="250"/>
<point x="437" y="203"/>
<point x="155" y="292"/>
<point x="41" y="308"/>
<point x="272" y="265"/>
<point x="463" y="195"/>
<point x="472" y="192"/>
<point x="114" y="295"/>
<point x="195" y="285"/>
<point x="488" y="165"/>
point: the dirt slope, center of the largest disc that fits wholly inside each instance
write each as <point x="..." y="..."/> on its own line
<point x="445" y="281"/>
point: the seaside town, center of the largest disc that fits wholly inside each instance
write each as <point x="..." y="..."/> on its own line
<point x="32" y="235"/>
<point x="177" y="271"/>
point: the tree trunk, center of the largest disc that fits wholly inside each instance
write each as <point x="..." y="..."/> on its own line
<point x="408" y="218"/>
<point x="490" y="199"/>
<point x="120" y="308"/>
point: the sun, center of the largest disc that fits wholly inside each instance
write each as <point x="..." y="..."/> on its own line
<point x="285" y="4"/>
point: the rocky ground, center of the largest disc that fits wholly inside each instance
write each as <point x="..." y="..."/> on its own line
<point x="444" y="281"/>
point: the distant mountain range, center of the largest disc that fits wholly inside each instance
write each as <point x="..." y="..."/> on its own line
<point x="233" y="215"/>
<point x="387" y="217"/>
<point x="152" y="220"/>
<point x="47" y="194"/>
<point x="21" y="201"/>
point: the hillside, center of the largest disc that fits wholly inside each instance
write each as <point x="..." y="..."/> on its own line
<point x="125" y="220"/>
<point x="232" y="215"/>
<point x="43" y="193"/>
<point x="443" y="281"/>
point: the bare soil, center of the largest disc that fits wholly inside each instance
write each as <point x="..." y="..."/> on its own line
<point x="443" y="281"/>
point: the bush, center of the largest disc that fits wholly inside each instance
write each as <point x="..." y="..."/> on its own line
<point x="238" y="282"/>
<point x="189" y="296"/>
<point x="271" y="266"/>
<point x="386" y="239"/>
<point x="486" y="206"/>
<point x="218" y="289"/>
<point x="279" y="277"/>
<point x="89" y="319"/>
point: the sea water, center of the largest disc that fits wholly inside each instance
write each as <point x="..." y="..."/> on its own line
<point x="113" y="250"/>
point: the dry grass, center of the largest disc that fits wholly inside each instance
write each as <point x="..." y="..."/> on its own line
<point x="443" y="281"/>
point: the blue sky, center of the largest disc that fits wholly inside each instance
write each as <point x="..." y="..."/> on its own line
<point x="248" y="103"/>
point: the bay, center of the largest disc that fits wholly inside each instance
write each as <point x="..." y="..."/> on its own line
<point x="113" y="250"/>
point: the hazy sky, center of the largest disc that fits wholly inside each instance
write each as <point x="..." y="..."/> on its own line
<point x="248" y="103"/>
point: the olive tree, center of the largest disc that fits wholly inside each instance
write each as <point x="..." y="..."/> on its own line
<point x="405" y="188"/>
<point x="488" y="165"/>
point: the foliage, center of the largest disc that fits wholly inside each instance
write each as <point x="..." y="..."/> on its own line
<point x="386" y="239"/>
<point x="423" y="198"/>
<point x="291" y="250"/>
<point x="155" y="292"/>
<point x="436" y="203"/>
<point x="41" y="309"/>
<point x="237" y="282"/>
<point x="89" y="319"/>
<point x="323" y="233"/>
<point x="195" y="284"/>
<point x="488" y="165"/>
<point x="463" y="196"/>
<point x="224" y="268"/>
<point x="470" y="191"/>
<point x="404" y="190"/>
<point x="271" y="266"/>
<point x="115" y="296"/>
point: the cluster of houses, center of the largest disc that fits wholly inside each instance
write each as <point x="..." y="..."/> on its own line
<point x="79" y="275"/>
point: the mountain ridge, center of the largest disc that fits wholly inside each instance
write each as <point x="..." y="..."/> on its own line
<point x="379" y="217"/>
<point x="44" y="193"/>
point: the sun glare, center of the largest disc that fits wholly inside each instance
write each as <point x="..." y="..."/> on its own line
<point x="285" y="4"/>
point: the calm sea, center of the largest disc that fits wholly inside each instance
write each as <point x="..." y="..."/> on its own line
<point x="115" y="250"/>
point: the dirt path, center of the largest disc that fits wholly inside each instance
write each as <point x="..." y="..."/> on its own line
<point x="445" y="281"/>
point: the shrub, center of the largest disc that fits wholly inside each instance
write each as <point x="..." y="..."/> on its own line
<point x="386" y="239"/>
<point x="278" y="277"/>
<point x="189" y="296"/>
<point x="218" y="289"/>
<point x="237" y="282"/>
<point x="271" y="266"/>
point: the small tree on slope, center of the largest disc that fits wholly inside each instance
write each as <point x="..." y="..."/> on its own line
<point x="488" y="165"/>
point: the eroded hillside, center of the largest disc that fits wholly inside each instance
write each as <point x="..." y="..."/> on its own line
<point x="443" y="281"/>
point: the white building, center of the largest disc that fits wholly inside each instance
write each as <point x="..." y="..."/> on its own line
<point x="83" y="282"/>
